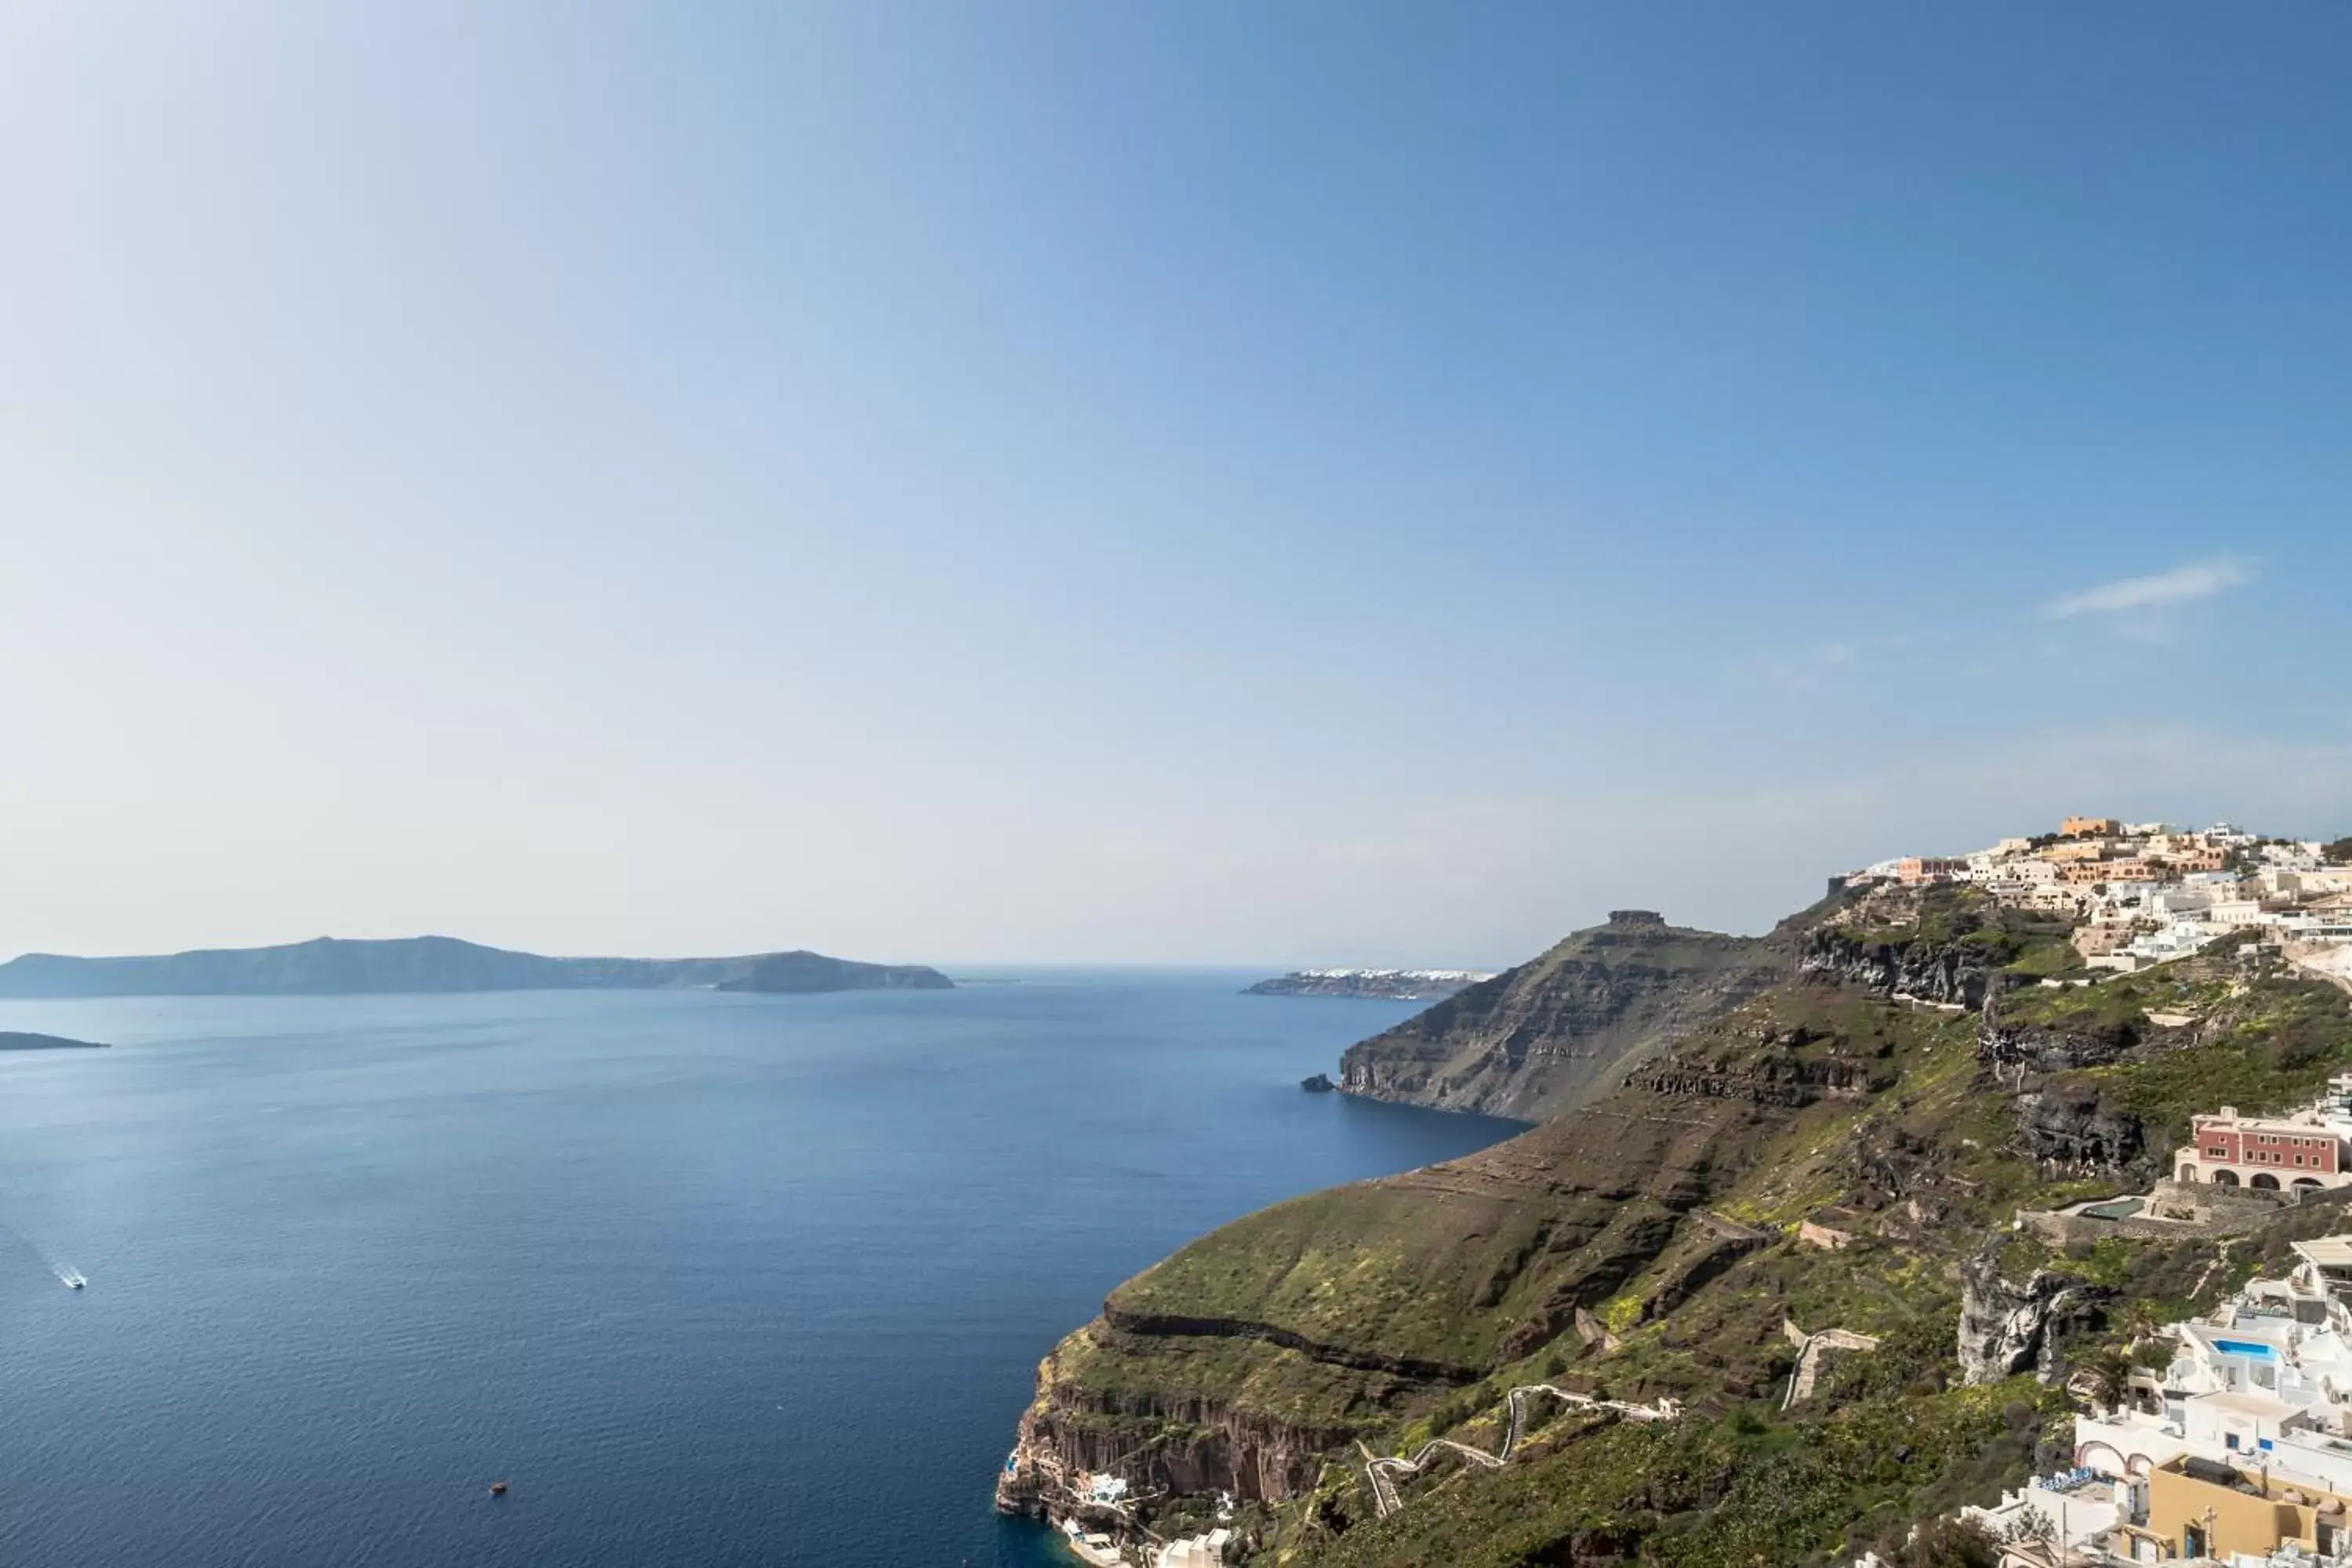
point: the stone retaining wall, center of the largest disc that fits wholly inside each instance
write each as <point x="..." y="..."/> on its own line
<point x="2206" y="1211"/>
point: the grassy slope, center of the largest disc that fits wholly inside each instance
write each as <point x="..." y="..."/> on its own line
<point x="1737" y="1483"/>
<point x="1480" y="1263"/>
<point x="1807" y="1097"/>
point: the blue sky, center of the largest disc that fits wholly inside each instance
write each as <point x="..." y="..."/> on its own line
<point x="1339" y="483"/>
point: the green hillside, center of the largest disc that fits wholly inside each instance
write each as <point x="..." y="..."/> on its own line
<point x="1645" y="1246"/>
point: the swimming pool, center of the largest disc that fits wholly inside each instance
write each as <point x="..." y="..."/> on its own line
<point x="2245" y="1348"/>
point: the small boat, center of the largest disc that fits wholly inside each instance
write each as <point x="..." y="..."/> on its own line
<point x="71" y="1280"/>
<point x="497" y="1488"/>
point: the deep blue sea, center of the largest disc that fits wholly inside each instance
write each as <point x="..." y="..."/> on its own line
<point x="706" y="1279"/>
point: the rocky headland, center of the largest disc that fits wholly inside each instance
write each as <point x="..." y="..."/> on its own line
<point x="1529" y="1042"/>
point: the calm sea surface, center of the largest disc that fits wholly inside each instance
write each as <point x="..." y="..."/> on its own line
<point x="707" y="1278"/>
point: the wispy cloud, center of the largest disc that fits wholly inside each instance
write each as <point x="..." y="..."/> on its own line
<point x="2161" y="590"/>
<point x="1809" y="668"/>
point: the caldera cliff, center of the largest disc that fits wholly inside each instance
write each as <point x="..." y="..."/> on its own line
<point x="1838" y="1142"/>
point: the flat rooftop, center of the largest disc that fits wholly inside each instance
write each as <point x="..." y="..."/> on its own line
<point x="2248" y="1405"/>
<point x="2328" y="1251"/>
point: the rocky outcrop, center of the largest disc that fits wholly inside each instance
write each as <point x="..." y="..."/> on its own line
<point x="2012" y="1049"/>
<point x="1317" y="1083"/>
<point x="1535" y="1039"/>
<point x="1156" y="1441"/>
<point x="1185" y="1448"/>
<point x="2073" y="1130"/>
<point x="1954" y="974"/>
<point x="1780" y="1081"/>
<point x="2008" y="1326"/>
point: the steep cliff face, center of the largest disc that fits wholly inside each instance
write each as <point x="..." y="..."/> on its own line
<point x="1763" y="1063"/>
<point x="1531" y="1041"/>
<point x="1952" y="973"/>
<point x="1190" y="1444"/>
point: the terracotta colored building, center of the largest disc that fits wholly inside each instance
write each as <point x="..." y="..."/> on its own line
<point x="2201" y="859"/>
<point x="2235" y="1150"/>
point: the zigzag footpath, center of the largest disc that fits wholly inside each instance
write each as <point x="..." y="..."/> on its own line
<point x="1381" y="1471"/>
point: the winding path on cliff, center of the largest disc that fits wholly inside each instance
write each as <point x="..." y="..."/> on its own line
<point x="1383" y="1471"/>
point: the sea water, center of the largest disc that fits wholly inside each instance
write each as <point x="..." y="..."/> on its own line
<point x="705" y="1279"/>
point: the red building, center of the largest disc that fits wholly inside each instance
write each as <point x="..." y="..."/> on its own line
<point x="2236" y="1151"/>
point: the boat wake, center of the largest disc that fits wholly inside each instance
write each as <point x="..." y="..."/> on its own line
<point x="69" y="1275"/>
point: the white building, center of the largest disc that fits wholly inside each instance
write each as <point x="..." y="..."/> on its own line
<point x="2069" y="1513"/>
<point x="2178" y="939"/>
<point x="2184" y="898"/>
<point x="2266" y="1380"/>
<point x="1195" y="1551"/>
<point x="2330" y="925"/>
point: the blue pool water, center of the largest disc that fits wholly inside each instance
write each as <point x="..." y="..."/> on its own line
<point x="707" y="1278"/>
<point x="2245" y="1348"/>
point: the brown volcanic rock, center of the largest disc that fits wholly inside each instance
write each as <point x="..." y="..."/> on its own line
<point x="1535" y="1039"/>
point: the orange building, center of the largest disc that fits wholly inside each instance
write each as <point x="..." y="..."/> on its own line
<point x="2090" y="827"/>
<point x="2204" y="1509"/>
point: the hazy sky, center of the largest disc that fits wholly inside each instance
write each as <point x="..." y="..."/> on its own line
<point x="1271" y="482"/>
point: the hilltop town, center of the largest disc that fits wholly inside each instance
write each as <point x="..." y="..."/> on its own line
<point x="2147" y="893"/>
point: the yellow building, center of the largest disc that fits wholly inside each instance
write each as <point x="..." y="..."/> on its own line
<point x="2089" y="827"/>
<point x="2206" y="1510"/>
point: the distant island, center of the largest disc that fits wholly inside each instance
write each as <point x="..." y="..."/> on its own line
<point x="1387" y="984"/>
<point x="18" y="1040"/>
<point x="329" y="967"/>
